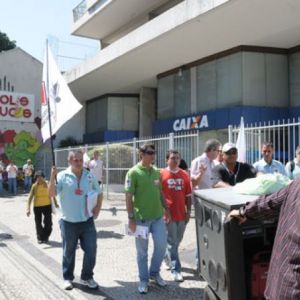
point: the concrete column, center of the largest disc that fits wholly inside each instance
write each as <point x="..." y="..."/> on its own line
<point x="147" y="110"/>
<point x="193" y="90"/>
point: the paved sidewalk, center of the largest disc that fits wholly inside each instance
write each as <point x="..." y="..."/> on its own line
<point x="33" y="271"/>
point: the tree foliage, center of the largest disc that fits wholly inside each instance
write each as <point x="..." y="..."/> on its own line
<point x="5" y="42"/>
<point x="68" y="142"/>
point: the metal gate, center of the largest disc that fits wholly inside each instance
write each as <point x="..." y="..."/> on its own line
<point x="285" y="136"/>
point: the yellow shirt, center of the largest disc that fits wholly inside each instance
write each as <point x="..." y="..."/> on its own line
<point x="40" y="194"/>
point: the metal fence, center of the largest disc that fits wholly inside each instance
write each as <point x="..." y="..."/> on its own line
<point x="285" y="136"/>
<point x="119" y="157"/>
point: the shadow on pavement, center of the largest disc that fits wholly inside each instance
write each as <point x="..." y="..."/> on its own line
<point x="5" y="236"/>
<point x="173" y="291"/>
<point x="87" y="290"/>
<point x="109" y="234"/>
<point x="193" y="274"/>
<point x="53" y="244"/>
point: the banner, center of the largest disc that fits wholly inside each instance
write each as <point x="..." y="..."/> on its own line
<point x="63" y="105"/>
<point x="18" y="107"/>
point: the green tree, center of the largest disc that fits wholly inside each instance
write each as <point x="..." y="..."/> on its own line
<point x="68" y="142"/>
<point x="5" y="42"/>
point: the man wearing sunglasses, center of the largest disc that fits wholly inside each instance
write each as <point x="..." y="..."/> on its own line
<point x="230" y="171"/>
<point x="77" y="222"/>
<point x="145" y="206"/>
<point x="268" y="165"/>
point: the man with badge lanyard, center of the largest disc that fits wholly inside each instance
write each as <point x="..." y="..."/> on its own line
<point x="230" y="171"/>
<point x="77" y="223"/>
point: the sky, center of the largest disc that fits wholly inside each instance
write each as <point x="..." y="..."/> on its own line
<point x="31" y="22"/>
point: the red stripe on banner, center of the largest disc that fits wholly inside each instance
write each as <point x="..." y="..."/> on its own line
<point x="44" y="100"/>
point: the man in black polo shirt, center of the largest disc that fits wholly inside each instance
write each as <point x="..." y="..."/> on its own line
<point x="230" y="171"/>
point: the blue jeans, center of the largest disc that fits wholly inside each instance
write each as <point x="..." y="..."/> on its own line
<point x="175" y="234"/>
<point x="12" y="185"/>
<point x="27" y="183"/>
<point x="1" y="186"/>
<point x="159" y="235"/>
<point x="86" y="233"/>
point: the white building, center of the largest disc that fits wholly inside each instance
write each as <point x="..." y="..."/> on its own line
<point x="175" y="65"/>
<point x="20" y="98"/>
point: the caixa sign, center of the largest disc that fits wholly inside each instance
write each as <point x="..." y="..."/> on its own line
<point x="188" y="123"/>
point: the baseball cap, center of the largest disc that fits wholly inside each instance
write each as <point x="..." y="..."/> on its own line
<point x="228" y="146"/>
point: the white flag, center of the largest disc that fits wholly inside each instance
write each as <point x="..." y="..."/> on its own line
<point x="241" y="142"/>
<point x="63" y="105"/>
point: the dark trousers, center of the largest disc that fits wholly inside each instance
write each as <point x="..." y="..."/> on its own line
<point x="43" y="221"/>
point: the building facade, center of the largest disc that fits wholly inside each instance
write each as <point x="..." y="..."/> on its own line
<point x="170" y="65"/>
<point x="20" y="90"/>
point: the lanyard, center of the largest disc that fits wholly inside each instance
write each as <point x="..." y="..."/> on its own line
<point x="230" y="173"/>
<point x="78" y="181"/>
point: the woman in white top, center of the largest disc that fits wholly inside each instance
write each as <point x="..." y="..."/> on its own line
<point x="293" y="167"/>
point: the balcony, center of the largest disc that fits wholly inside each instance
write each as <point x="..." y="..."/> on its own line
<point x="188" y="32"/>
<point x="108" y="20"/>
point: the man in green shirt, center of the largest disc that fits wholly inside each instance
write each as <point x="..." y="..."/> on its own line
<point x="145" y="206"/>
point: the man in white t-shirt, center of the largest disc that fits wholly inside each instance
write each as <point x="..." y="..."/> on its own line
<point x="28" y="172"/>
<point x="96" y="166"/>
<point x="202" y="165"/>
<point x="12" y="171"/>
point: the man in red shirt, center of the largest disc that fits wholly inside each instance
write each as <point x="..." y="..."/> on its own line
<point x="176" y="187"/>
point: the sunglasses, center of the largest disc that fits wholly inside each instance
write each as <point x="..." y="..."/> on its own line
<point x="149" y="152"/>
<point x="231" y="152"/>
<point x="77" y="160"/>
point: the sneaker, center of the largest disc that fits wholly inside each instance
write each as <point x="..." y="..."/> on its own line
<point x="143" y="287"/>
<point x="90" y="283"/>
<point x="177" y="276"/>
<point x="40" y="241"/>
<point x="159" y="281"/>
<point x="68" y="285"/>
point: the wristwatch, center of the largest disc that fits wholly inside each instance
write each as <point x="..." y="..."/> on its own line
<point x="131" y="216"/>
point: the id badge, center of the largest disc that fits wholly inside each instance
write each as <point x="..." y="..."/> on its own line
<point x="78" y="192"/>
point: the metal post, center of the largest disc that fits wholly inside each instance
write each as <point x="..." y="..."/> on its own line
<point x="197" y="143"/>
<point x="44" y="163"/>
<point x="171" y="140"/>
<point x="107" y="170"/>
<point x="230" y="133"/>
<point x="55" y="156"/>
<point x="134" y="152"/>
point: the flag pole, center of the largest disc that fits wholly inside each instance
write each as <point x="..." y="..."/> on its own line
<point x="48" y="105"/>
